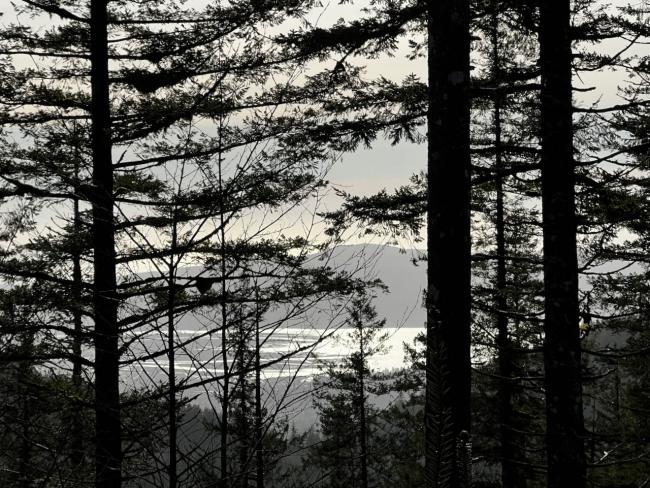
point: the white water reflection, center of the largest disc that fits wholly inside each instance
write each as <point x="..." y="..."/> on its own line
<point x="284" y="353"/>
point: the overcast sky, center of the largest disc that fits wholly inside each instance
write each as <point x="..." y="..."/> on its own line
<point x="384" y="166"/>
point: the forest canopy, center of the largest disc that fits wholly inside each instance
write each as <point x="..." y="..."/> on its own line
<point x="194" y="201"/>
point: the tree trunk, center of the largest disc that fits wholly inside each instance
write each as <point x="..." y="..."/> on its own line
<point x="363" y="429"/>
<point x="225" y="400"/>
<point x="107" y="395"/>
<point x="447" y="408"/>
<point x="243" y="414"/>
<point x="504" y="345"/>
<point x="171" y="355"/>
<point x="223" y="481"/>
<point x="26" y="477"/>
<point x="508" y="468"/>
<point x="77" y="445"/>
<point x="259" y="448"/>
<point x="564" y="416"/>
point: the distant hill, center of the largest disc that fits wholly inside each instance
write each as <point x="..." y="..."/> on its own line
<point x="406" y="280"/>
<point x="397" y="268"/>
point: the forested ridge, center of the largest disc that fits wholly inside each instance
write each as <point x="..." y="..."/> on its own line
<point x="175" y="254"/>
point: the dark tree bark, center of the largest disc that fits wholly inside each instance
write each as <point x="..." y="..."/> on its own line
<point x="564" y="416"/>
<point x="107" y="396"/>
<point x="447" y="413"/>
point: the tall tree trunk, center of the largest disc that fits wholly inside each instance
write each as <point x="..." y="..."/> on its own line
<point x="564" y="415"/>
<point x="508" y="469"/>
<point x="504" y="346"/>
<point x="448" y="373"/>
<point x="107" y="396"/>
<point x="225" y="401"/>
<point x="503" y="343"/>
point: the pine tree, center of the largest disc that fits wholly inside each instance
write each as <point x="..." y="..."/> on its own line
<point x="447" y="411"/>
<point x="346" y="415"/>
<point x="171" y="69"/>
<point x="564" y="417"/>
<point x="615" y="345"/>
<point x="505" y="258"/>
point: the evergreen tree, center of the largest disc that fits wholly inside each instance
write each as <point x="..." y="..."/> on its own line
<point x="506" y="292"/>
<point x="345" y="455"/>
<point x="171" y="70"/>
<point x="564" y="415"/>
<point x="158" y="142"/>
<point x="447" y="410"/>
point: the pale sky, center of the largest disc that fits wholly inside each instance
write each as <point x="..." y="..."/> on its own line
<point x="384" y="166"/>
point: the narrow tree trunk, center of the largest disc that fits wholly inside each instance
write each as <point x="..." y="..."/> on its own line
<point x="363" y="429"/>
<point x="225" y="400"/>
<point x="223" y="481"/>
<point x="171" y="356"/>
<point x="77" y="447"/>
<point x="259" y="448"/>
<point x="447" y="404"/>
<point x="508" y="469"/>
<point x="107" y="396"/>
<point x="25" y="468"/>
<point x="564" y="415"/>
<point x="243" y="408"/>
<point x="504" y="346"/>
<point x="26" y="463"/>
